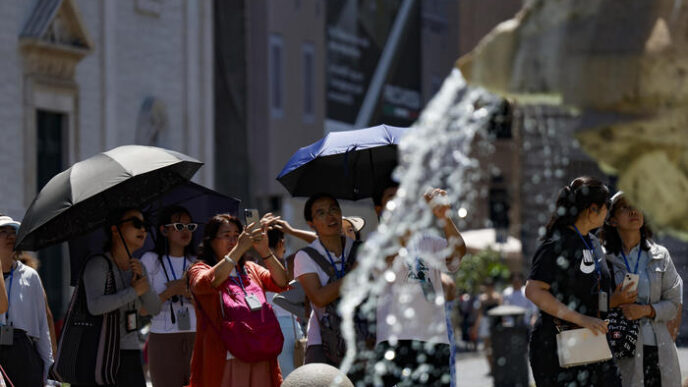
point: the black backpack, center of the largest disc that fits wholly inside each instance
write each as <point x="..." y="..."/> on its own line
<point x="330" y="321"/>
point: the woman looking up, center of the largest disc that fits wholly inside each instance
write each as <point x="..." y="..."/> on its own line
<point x="224" y="244"/>
<point x="626" y="238"/>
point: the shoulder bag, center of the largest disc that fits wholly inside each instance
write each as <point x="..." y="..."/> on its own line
<point x="249" y="335"/>
<point x="621" y="332"/>
<point x="88" y="352"/>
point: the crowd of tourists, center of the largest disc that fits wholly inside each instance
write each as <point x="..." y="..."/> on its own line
<point x="238" y="310"/>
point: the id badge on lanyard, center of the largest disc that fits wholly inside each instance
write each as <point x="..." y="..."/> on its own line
<point x="132" y="321"/>
<point x="251" y="299"/>
<point x="183" y="319"/>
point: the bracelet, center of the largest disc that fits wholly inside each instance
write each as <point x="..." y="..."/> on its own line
<point x="229" y="259"/>
<point x="266" y="257"/>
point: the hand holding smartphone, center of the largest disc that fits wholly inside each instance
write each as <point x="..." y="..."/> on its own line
<point x="251" y="215"/>
<point x="628" y="278"/>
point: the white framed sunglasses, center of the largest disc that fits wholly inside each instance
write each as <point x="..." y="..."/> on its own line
<point x="181" y="226"/>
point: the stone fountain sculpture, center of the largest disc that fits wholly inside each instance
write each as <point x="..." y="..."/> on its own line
<point x="622" y="66"/>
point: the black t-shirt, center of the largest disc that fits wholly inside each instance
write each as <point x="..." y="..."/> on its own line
<point x="560" y="261"/>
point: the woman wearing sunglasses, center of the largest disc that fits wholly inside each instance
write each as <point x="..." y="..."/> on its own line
<point x="171" y="340"/>
<point x="132" y="294"/>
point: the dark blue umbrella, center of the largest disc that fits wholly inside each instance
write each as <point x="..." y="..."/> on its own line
<point x="202" y="203"/>
<point x="352" y="165"/>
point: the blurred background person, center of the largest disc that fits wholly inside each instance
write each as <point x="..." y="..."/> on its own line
<point x="515" y="294"/>
<point x="290" y="328"/>
<point x="488" y="299"/>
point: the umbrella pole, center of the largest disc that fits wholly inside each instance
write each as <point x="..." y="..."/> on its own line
<point x="125" y="245"/>
<point x="372" y="170"/>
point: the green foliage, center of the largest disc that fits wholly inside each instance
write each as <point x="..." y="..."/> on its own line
<point x="476" y="268"/>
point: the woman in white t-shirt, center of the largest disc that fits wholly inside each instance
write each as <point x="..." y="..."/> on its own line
<point x="171" y="340"/>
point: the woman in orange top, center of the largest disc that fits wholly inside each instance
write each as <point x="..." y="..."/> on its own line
<point x="224" y="243"/>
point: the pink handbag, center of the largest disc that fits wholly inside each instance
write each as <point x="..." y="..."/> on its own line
<point x="249" y="335"/>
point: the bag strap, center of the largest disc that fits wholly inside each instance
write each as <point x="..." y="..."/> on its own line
<point x="6" y="377"/>
<point x="110" y="279"/>
<point x="326" y="265"/>
<point x="320" y="261"/>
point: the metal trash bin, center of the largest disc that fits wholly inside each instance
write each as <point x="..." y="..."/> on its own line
<point x="509" y="334"/>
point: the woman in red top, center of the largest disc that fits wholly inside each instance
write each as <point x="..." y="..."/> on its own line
<point x="224" y="243"/>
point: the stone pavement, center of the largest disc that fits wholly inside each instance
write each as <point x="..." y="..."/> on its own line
<point x="472" y="370"/>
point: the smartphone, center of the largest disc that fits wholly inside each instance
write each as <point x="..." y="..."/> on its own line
<point x="630" y="277"/>
<point x="251" y="216"/>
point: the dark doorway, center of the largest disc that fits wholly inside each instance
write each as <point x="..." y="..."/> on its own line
<point x="51" y="158"/>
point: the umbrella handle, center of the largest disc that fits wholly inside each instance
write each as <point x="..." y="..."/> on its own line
<point x="119" y="231"/>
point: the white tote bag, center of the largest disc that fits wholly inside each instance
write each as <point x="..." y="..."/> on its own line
<point x="580" y="346"/>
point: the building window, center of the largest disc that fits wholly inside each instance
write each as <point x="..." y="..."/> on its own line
<point x="308" y="55"/>
<point x="276" y="68"/>
<point x="500" y="123"/>
<point x="51" y="159"/>
<point x="499" y="208"/>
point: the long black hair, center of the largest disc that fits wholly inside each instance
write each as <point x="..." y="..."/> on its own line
<point x="609" y="236"/>
<point x="205" y="249"/>
<point x="165" y="217"/>
<point x="575" y="198"/>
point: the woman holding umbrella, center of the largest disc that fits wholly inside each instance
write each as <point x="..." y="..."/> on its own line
<point x="173" y="329"/>
<point x="133" y="294"/>
<point x="224" y="244"/>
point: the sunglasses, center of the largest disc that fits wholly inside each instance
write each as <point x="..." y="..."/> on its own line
<point x="181" y="226"/>
<point x="136" y="222"/>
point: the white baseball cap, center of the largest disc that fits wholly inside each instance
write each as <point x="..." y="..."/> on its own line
<point x="7" y="221"/>
<point x="357" y="222"/>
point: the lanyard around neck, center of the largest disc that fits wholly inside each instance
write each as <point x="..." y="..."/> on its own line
<point x="592" y="252"/>
<point x="169" y="262"/>
<point x="636" y="262"/>
<point x="240" y="282"/>
<point x="338" y="273"/>
<point x="9" y="296"/>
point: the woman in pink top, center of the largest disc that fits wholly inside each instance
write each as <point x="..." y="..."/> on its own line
<point x="224" y="243"/>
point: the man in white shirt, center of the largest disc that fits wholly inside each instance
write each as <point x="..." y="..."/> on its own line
<point x="411" y="319"/>
<point x="323" y="214"/>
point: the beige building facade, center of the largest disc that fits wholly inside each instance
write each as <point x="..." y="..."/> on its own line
<point x="78" y="77"/>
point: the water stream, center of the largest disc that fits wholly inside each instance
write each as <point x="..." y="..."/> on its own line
<point x="434" y="154"/>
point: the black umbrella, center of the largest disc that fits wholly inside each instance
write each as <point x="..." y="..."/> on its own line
<point x="352" y="165"/>
<point x="200" y="201"/>
<point x="80" y="199"/>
